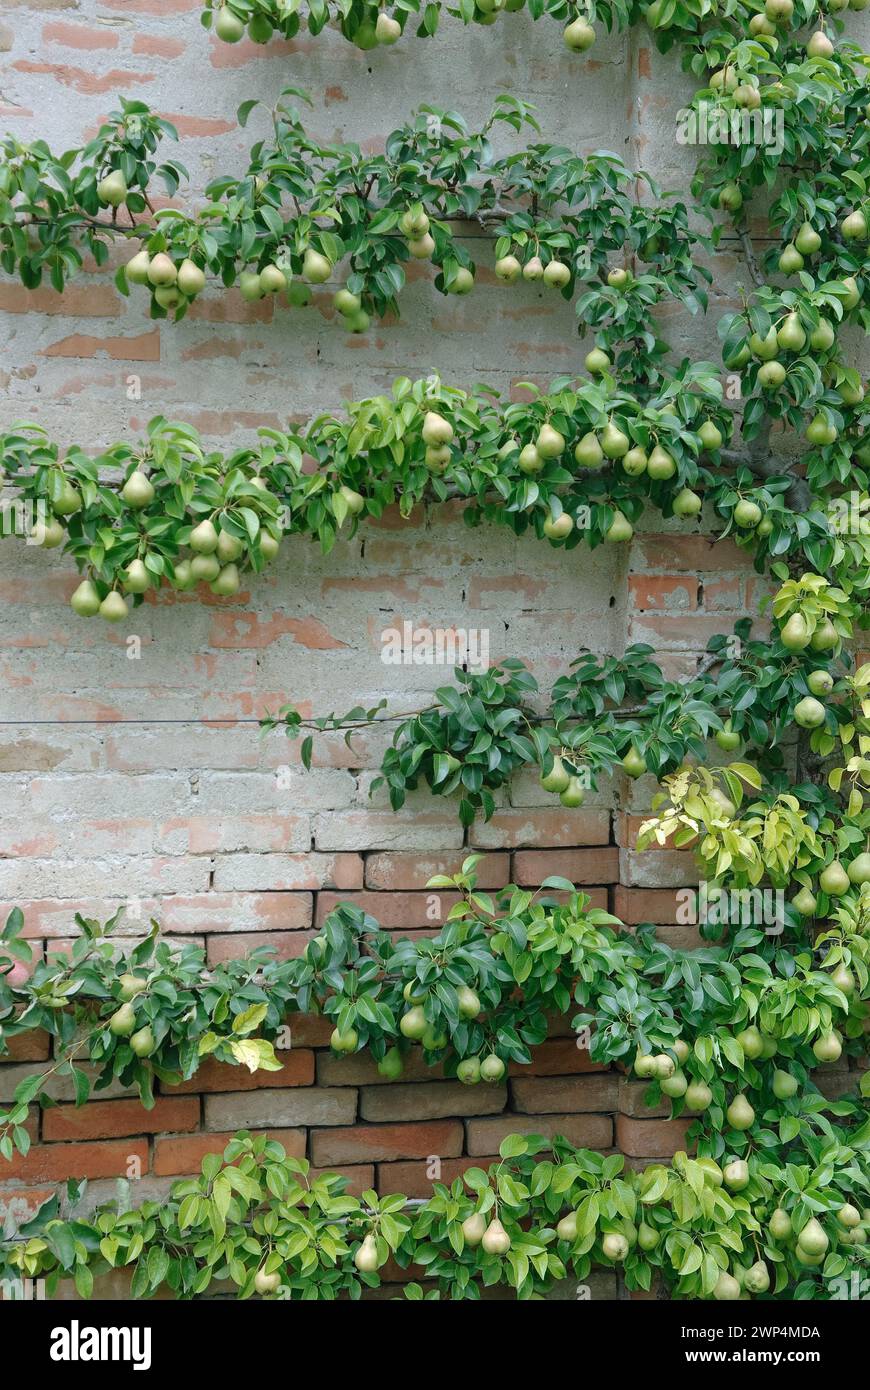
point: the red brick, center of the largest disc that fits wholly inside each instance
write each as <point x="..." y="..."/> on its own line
<point x="176" y="1156"/>
<point x="85" y="36"/>
<point x="557" y="827"/>
<point x="667" y="593"/>
<point x="85" y="79"/>
<point x="650" y="1138"/>
<point x="635" y="905"/>
<point x="144" y="348"/>
<point x="401" y="872"/>
<point x="297" y="1070"/>
<point x="286" y="945"/>
<point x="360" y="1176"/>
<point x="309" y="1030"/>
<point x="394" y="911"/>
<point x="108" y="1119"/>
<point x="558" y="1057"/>
<point x="153" y="44"/>
<point x="430" y="1101"/>
<point x="693" y="554"/>
<point x="381" y="1143"/>
<point x="27" y="1047"/>
<point x="242" y="913"/>
<point x="361" y="1069"/>
<point x="415" y="1178"/>
<point x="57" y="1162"/>
<point x="532" y="866"/>
<point x="584" y="1131"/>
<point x="77" y="301"/>
<point x="563" y="1094"/>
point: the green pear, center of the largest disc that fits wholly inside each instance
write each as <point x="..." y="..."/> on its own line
<point x="660" y="464"/>
<point x="827" y="1048"/>
<point x="634" y="764"/>
<point x="557" y="779"/>
<point x="366" y="1255"/>
<point x="727" y="1289"/>
<point x="579" y="36"/>
<point x="795" y="635"/>
<point x="812" y="1239"/>
<point x="85" y="600"/>
<point x="496" y="1240"/>
<point x="751" y="1041"/>
<point x="809" y="713"/>
<point x="132" y="985"/>
<point x="620" y="529"/>
<point x="492" y="1068"/>
<point x="614" y="1247"/>
<point x="346" y="1041"/>
<point x="699" y="1097"/>
<point x="558" y="527"/>
<point x="834" y="879"/>
<point x="508" y="269"/>
<point x="316" y="269"/>
<point x="790" y="334"/>
<point x="143" y="1043"/>
<point x="635" y="462"/>
<point x="413" y="1024"/>
<point x="227" y="581"/>
<point x="436" y="430"/>
<point x="474" y="1228"/>
<point x="272" y="279"/>
<point x="859" y="869"/>
<point x="597" y="361"/>
<point x="567" y="1227"/>
<point x="614" y="443"/>
<point x="136" y="577"/>
<point x="391" y="1064"/>
<point x="162" y="270"/>
<point x="136" y="268"/>
<point x="549" y="443"/>
<point x="784" y="1085"/>
<point x="820" y="682"/>
<point x="807" y="240"/>
<point x="113" y="607"/>
<point x="204" y="568"/>
<point x="757" y="1278"/>
<point x="191" y="279"/>
<point x="469" y="1003"/>
<point x="112" y="190"/>
<point x="138" y="490"/>
<point x="468" y="1071"/>
<point x="556" y="274"/>
<point x="574" y="794"/>
<point x="228" y="26"/>
<point x="736" y="1174"/>
<point x="780" y="1227"/>
<point x="588" y="452"/>
<point x="204" y="538"/>
<point x="740" y="1114"/>
<point x="123" y="1021"/>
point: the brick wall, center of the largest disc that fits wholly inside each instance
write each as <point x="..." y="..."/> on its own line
<point x="133" y="782"/>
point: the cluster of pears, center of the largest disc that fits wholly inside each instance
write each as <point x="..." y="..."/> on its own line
<point x="176" y="284"/>
<point x="799" y="634"/>
<point x="217" y="554"/>
<point x="555" y="273"/>
<point x="415" y="1026"/>
<point x="836" y="879"/>
<point x="571" y="784"/>
<point x="809" y="1245"/>
<point x="123" y="1021"/>
<point x="491" y="1235"/>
